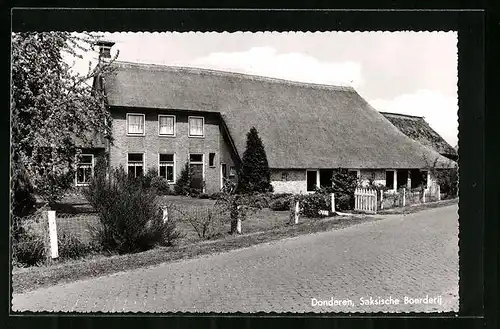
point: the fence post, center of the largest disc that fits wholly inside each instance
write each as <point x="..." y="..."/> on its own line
<point x="296" y="213"/>
<point x="423" y="195"/>
<point x="165" y="214"/>
<point x="333" y="202"/>
<point x="439" y="192"/>
<point x="51" y="215"/>
<point x="404" y="197"/>
<point x="238" y="226"/>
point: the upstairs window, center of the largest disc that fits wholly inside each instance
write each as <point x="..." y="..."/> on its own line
<point x="166" y="167"/>
<point x="166" y="125"/>
<point x="135" y="124"/>
<point x="135" y="164"/>
<point x="196" y="126"/>
<point x="84" y="169"/>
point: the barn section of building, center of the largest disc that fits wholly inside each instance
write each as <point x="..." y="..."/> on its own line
<point x="307" y="129"/>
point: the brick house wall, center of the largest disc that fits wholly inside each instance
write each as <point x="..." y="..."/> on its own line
<point x="151" y="144"/>
<point x="295" y="182"/>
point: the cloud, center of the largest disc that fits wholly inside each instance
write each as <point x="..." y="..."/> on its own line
<point x="439" y="110"/>
<point x="296" y="66"/>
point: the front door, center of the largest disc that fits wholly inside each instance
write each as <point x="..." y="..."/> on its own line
<point x="311" y="180"/>
<point x="196" y="168"/>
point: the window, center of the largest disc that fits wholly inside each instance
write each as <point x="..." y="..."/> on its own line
<point x="166" y="125"/>
<point x="84" y="169"/>
<point x="135" y="164"/>
<point x="196" y="126"/>
<point x="193" y="158"/>
<point x="135" y="124"/>
<point x="284" y="176"/>
<point x="166" y="167"/>
<point x="232" y="171"/>
<point x="211" y="159"/>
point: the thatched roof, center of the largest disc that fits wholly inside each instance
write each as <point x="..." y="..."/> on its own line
<point x="302" y="125"/>
<point x="418" y="129"/>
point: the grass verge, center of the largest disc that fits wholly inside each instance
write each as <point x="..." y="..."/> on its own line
<point x="24" y="280"/>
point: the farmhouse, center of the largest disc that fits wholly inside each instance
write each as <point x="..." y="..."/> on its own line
<point x="418" y="129"/>
<point x="166" y="116"/>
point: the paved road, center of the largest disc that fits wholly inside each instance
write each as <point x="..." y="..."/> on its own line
<point x="403" y="255"/>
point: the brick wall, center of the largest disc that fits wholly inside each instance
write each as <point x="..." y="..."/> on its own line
<point x="181" y="145"/>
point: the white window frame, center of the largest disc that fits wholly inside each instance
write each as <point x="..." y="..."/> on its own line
<point x="317" y="179"/>
<point x="166" y="165"/>
<point x="91" y="166"/>
<point x="202" y="127"/>
<point x="143" y="162"/>
<point x="202" y="162"/>
<point x="143" y="128"/>
<point x="159" y="127"/>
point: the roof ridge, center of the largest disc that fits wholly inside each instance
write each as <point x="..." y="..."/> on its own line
<point x="237" y="74"/>
<point x="402" y="115"/>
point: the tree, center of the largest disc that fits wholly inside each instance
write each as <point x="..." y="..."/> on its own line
<point x="254" y="175"/>
<point x="53" y="108"/>
<point x="183" y="183"/>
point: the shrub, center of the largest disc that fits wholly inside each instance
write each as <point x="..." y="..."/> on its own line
<point x="161" y="185"/>
<point x="208" y="222"/>
<point x="29" y="240"/>
<point x="280" y="204"/>
<point x="70" y="246"/>
<point x="215" y="196"/>
<point x="23" y="199"/>
<point x="183" y="183"/>
<point x="130" y="216"/>
<point x="448" y="181"/>
<point x="203" y="196"/>
<point x="311" y="204"/>
<point x="255" y="175"/>
<point x="147" y="180"/>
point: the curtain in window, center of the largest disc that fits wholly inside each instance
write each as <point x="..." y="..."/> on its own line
<point x="135" y="124"/>
<point x="166" y="125"/>
<point x="196" y="126"/>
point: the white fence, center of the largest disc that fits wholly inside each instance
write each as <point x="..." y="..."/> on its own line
<point x="365" y="200"/>
<point x="370" y="200"/>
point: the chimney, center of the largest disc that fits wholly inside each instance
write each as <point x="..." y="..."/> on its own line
<point x="104" y="49"/>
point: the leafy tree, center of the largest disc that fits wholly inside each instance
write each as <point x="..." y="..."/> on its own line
<point x="53" y="108"/>
<point x="254" y="175"/>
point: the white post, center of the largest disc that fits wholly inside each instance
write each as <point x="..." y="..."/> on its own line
<point x="296" y="213"/>
<point x="238" y="226"/>
<point x="439" y="192"/>
<point x="423" y="195"/>
<point x="404" y="197"/>
<point x="408" y="182"/>
<point x="382" y="199"/>
<point x="165" y="214"/>
<point x="333" y="202"/>
<point x="428" y="178"/>
<point x="54" y="252"/>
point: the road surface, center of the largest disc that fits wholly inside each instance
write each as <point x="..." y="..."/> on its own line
<point x="403" y="257"/>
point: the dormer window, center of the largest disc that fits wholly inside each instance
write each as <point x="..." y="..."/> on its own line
<point x="196" y="126"/>
<point x="135" y="124"/>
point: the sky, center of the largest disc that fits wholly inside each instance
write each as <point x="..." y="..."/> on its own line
<point x="412" y="73"/>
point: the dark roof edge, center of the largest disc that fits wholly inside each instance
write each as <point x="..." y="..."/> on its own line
<point x="401" y="115"/>
<point x="161" y="67"/>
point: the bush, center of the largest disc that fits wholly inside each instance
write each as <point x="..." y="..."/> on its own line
<point x="280" y="204"/>
<point x="208" y="222"/>
<point x="311" y="204"/>
<point x="29" y="240"/>
<point x="23" y="199"/>
<point x="448" y="181"/>
<point x="215" y="196"/>
<point x="161" y="185"/>
<point x="130" y="216"/>
<point x="183" y="183"/>
<point x="70" y="246"/>
<point x="203" y="196"/>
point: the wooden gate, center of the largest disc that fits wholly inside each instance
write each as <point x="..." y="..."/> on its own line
<point x="365" y="200"/>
